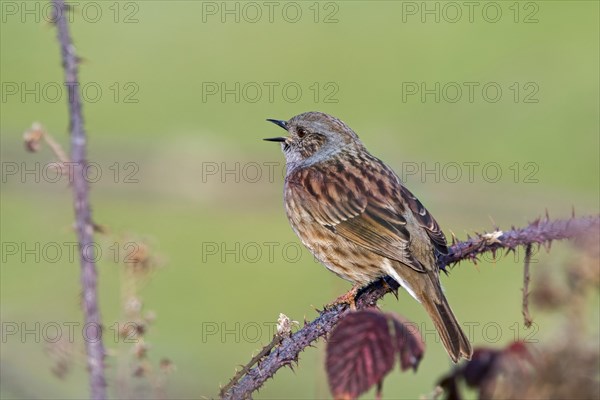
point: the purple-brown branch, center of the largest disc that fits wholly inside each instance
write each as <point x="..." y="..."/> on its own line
<point x="541" y="232"/>
<point x="83" y="217"/>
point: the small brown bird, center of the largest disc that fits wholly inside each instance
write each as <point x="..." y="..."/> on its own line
<point x="353" y="213"/>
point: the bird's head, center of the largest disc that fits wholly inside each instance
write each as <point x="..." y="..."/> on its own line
<point x="313" y="137"/>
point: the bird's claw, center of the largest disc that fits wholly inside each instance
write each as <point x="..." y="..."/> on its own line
<point x="347" y="298"/>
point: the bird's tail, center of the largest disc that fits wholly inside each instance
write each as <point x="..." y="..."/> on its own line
<point x="453" y="338"/>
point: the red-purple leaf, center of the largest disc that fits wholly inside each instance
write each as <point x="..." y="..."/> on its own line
<point x="359" y="353"/>
<point x="478" y="370"/>
<point x="409" y="344"/>
<point x="362" y="350"/>
<point x="485" y="367"/>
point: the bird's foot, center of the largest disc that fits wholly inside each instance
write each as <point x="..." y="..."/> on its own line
<point x="390" y="288"/>
<point x="347" y="298"/>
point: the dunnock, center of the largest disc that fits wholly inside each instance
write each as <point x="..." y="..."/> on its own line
<point x="355" y="215"/>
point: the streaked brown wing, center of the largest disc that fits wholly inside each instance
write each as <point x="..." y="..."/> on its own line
<point x="382" y="231"/>
<point x="324" y="198"/>
<point x="345" y="209"/>
<point x="426" y="220"/>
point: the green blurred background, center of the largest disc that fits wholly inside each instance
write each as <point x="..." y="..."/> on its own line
<point x="153" y="62"/>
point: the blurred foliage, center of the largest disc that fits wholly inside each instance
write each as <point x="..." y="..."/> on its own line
<point x="157" y="156"/>
<point x="567" y="365"/>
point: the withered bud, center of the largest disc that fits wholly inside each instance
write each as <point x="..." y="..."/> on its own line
<point x="33" y="136"/>
<point x="167" y="365"/>
<point x="140" y="349"/>
<point x="140" y="371"/>
<point x="284" y="325"/>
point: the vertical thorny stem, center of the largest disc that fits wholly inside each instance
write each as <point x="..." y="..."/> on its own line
<point x="93" y="342"/>
<point x="526" y="279"/>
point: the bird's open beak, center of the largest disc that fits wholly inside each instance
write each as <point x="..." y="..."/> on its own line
<point x="275" y="139"/>
<point x="280" y="123"/>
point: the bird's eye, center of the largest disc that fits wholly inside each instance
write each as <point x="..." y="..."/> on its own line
<point x="302" y="132"/>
